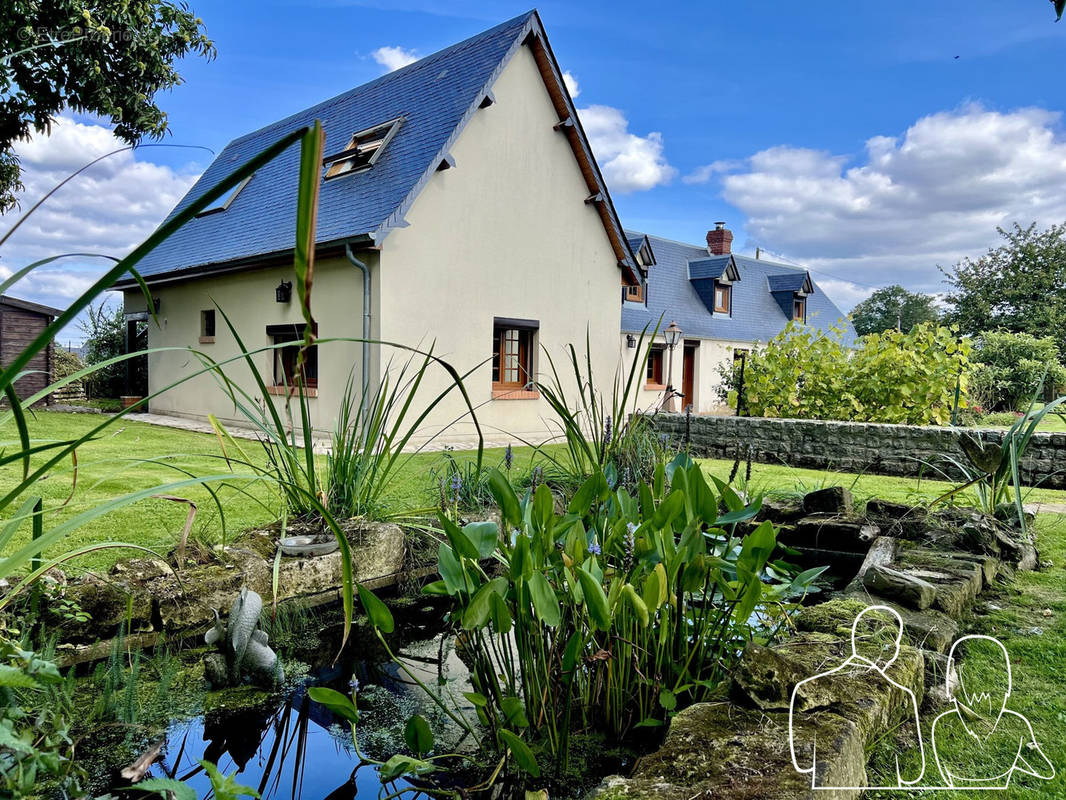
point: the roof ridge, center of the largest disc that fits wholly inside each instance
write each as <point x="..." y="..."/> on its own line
<point x="422" y="63"/>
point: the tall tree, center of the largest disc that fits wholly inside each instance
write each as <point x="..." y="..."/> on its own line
<point x="891" y="307"/>
<point x="1019" y="286"/>
<point x="104" y="58"/>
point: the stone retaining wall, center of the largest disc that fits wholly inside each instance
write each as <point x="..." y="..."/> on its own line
<point x="852" y="446"/>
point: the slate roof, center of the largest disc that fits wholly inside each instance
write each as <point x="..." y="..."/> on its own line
<point x="787" y="282"/>
<point x="756" y="316"/>
<point x="434" y="97"/>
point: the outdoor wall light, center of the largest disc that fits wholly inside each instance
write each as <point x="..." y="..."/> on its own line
<point x="283" y="293"/>
<point x="156" y="304"/>
<point x="631" y="341"/>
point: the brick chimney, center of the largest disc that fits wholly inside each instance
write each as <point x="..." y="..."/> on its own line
<point x="720" y="240"/>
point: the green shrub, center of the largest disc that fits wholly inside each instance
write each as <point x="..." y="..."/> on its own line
<point x="905" y="378"/>
<point x="65" y="364"/>
<point x="1008" y="369"/>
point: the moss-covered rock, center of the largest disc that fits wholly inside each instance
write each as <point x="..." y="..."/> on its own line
<point x="733" y="753"/>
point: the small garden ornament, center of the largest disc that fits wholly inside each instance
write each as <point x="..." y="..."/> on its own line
<point x="244" y="654"/>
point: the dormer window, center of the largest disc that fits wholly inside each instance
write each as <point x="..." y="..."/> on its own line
<point x="634" y="294"/>
<point x="799" y="309"/>
<point x="364" y="148"/>
<point x="723" y="298"/>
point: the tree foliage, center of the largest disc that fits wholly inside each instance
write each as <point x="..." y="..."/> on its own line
<point x="907" y="378"/>
<point x="893" y="306"/>
<point x="108" y="59"/>
<point x="1019" y="287"/>
<point x="1009" y="368"/>
<point x="105" y="337"/>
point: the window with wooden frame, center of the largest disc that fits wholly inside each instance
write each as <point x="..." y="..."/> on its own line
<point x="799" y="309"/>
<point x="655" y="371"/>
<point x="723" y="298"/>
<point x="513" y="348"/>
<point x="207" y="326"/>
<point x="634" y="294"/>
<point x="364" y="148"/>
<point x="286" y="372"/>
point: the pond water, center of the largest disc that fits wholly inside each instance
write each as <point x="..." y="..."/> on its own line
<point x="284" y="745"/>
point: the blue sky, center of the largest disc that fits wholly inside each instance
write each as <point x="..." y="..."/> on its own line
<point x="870" y="141"/>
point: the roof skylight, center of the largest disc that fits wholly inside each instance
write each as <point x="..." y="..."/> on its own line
<point x="362" y="151"/>
<point x="223" y="202"/>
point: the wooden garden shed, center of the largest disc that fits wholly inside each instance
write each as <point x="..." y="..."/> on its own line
<point x="20" y="323"/>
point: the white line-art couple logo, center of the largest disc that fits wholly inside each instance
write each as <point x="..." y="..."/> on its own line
<point x="995" y="742"/>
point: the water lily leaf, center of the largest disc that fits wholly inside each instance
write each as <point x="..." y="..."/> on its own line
<point x="523" y="756"/>
<point x="378" y="612"/>
<point x="339" y="704"/>
<point x="418" y="736"/>
<point x="545" y="603"/>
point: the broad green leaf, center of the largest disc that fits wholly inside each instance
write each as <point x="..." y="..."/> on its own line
<point x="461" y="543"/>
<point x="476" y="615"/>
<point x="484" y="536"/>
<point x="437" y="588"/>
<point x="514" y="712"/>
<point x="167" y="787"/>
<point x="667" y="700"/>
<point x="339" y="704"/>
<point x="14" y="677"/>
<point x="521" y="559"/>
<point x="418" y="736"/>
<point x="593" y="489"/>
<point x="499" y="614"/>
<point x="595" y="599"/>
<point x="450" y="569"/>
<point x="378" y="612"/>
<point x="506" y="499"/>
<point x="477" y="699"/>
<point x="523" y="756"/>
<point x="400" y="765"/>
<point x="636" y="603"/>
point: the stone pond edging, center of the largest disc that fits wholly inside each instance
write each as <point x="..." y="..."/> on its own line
<point x="155" y="601"/>
<point x="850" y="446"/>
<point x="928" y="567"/>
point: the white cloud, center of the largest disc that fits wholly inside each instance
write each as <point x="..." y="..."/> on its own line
<point x="707" y="171"/>
<point x="929" y="197"/>
<point x="392" y="58"/>
<point x="571" y="84"/>
<point x="108" y="209"/>
<point x="630" y="163"/>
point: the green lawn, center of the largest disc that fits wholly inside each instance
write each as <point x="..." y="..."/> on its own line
<point x="131" y="456"/>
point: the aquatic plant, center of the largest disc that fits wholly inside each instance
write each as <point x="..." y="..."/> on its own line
<point x="611" y="615"/>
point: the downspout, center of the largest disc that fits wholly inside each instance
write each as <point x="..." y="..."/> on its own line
<point x="366" y="314"/>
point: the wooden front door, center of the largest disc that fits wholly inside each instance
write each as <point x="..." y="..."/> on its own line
<point x="688" y="376"/>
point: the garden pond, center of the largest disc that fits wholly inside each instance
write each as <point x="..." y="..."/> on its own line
<point x="283" y="744"/>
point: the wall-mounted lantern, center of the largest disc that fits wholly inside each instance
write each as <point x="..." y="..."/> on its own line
<point x="283" y="294"/>
<point x="156" y="304"/>
<point x="631" y="341"/>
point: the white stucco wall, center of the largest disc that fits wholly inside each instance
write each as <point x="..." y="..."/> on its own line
<point x="506" y="233"/>
<point x="710" y="355"/>
<point x="247" y="297"/>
